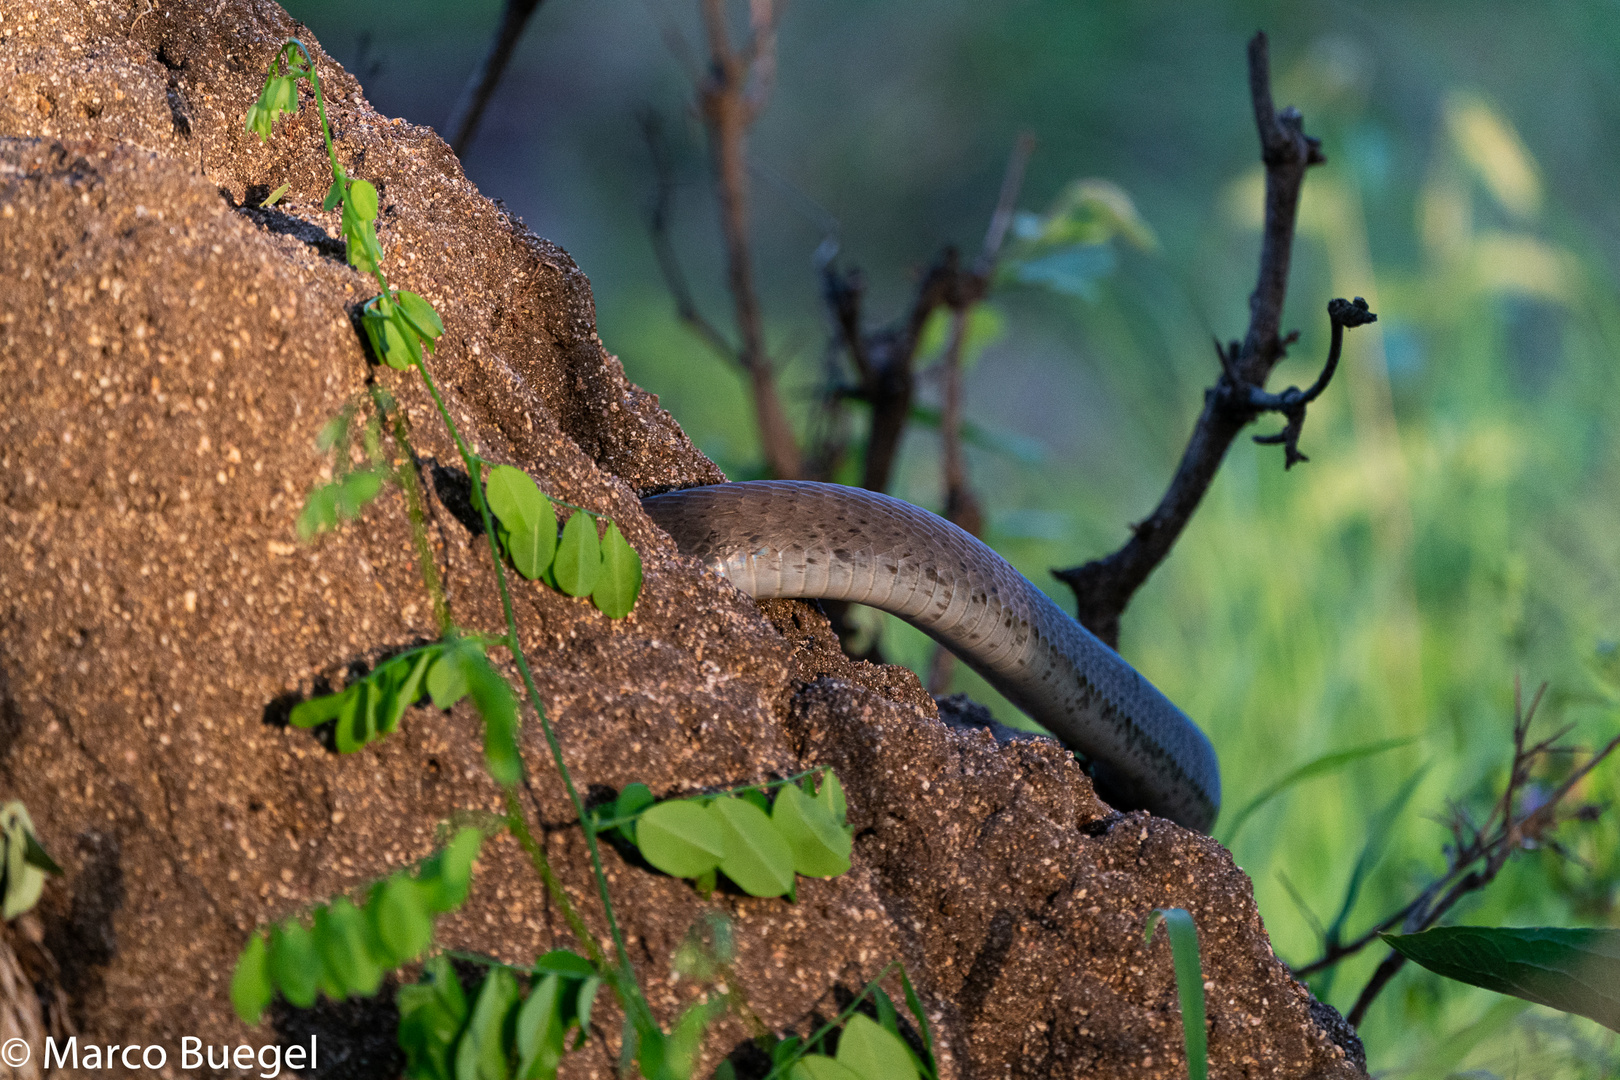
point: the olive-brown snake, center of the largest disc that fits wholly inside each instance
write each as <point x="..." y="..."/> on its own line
<point x="825" y="541"/>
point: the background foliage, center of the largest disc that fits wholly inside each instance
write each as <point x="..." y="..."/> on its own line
<point x="1457" y="523"/>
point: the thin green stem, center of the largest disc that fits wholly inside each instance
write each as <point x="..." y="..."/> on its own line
<point x="407" y="475"/>
<point x="320" y="107"/>
<point x="519" y="826"/>
<point x="516" y="648"/>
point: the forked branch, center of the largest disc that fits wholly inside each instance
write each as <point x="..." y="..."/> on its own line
<point x="1103" y="587"/>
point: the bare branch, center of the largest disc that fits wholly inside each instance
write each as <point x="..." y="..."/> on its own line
<point x="1012" y="183"/>
<point x="469" y="109"/>
<point x="1478" y="852"/>
<point x="1105" y="586"/>
<point x="658" y="227"/>
<point x="727" y="111"/>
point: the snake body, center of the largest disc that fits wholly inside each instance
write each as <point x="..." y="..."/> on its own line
<point x="826" y="541"/>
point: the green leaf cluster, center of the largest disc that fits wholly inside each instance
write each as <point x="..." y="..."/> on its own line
<point x="26" y="862"/>
<point x="346" y="950"/>
<point x="1069" y="249"/>
<point x="279" y="95"/>
<point x="449" y="670"/>
<point x="1575" y="970"/>
<point x="350" y="489"/>
<point x="867" y="1049"/>
<point x="758" y="843"/>
<point x="503" y="1034"/>
<point x="399" y="324"/>
<point x="608" y="570"/>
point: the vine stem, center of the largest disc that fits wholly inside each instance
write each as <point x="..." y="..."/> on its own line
<point x="625" y="982"/>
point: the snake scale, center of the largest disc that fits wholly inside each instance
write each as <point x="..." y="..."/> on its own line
<point x="825" y="541"/>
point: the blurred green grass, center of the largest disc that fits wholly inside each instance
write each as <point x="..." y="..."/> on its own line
<point x="1458" y="523"/>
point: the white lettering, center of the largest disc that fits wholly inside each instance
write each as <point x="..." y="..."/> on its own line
<point x="294" y="1058"/>
<point x="274" y="1064"/>
<point x="128" y="1050"/>
<point x="244" y="1057"/>
<point x="224" y="1058"/>
<point x="68" y="1051"/>
<point x="92" y="1056"/>
<point x="190" y="1054"/>
<point x="312" y="1064"/>
<point x="163" y="1057"/>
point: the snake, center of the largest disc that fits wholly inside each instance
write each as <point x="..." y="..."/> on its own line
<point x="814" y="541"/>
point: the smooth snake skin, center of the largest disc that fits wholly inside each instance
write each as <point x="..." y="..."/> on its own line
<point x="826" y="541"/>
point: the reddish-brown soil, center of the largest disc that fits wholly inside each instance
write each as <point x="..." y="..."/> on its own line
<point x="168" y="357"/>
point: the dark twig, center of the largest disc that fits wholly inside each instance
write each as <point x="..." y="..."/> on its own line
<point x="658" y="227"/>
<point x="1104" y="587"/>
<point x="1478" y="852"/>
<point x="469" y="110"/>
<point x="730" y="97"/>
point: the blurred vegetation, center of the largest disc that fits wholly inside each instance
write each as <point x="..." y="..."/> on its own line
<point x="1458" y="522"/>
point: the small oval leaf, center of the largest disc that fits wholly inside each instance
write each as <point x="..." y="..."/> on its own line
<point x="757" y="857"/>
<point x="362" y="199"/>
<point x="615" y="593"/>
<point x="821" y="848"/>
<point x="294" y="964"/>
<point x="250" y="984"/>
<point x="681" y="838"/>
<point x="579" y="556"/>
<point x="871" y="1053"/>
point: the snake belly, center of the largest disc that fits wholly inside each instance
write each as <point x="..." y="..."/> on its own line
<point x="777" y="538"/>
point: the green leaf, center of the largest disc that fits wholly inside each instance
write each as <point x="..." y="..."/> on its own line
<point x="23" y="882"/>
<point x="871" y="1053"/>
<point x="582" y="1007"/>
<point x="408" y="685"/>
<point x="447" y="876"/>
<point x="274" y="197"/>
<point x="355" y="490"/>
<point x="387" y="343"/>
<point x="887" y="1018"/>
<point x="482" y="1053"/>
<point x="529" y="517"/>
<point x="334" y="194"/>
<point x="540" y="1030"/>
<point x="831" y="797"/>
<point x="421" y="316"/>
<point x="757" y="858"/>
<point x="400" y="918"/>
<point x="344" y="942"/>
<point x="681" y="838"/>
<point x="251" y="991"/>
<point x="820" y="847"/>
<point x="579" y="556"/>
<point x="35" y="855"/>
<point x="631" y="801"/>
<point x="914" y="1004"/>
<point x="493" y="698"/>
<point x="1575" y="970"/>
<point x="1325" y="765"/>
<point x="294" y="964"/>
<point x="362" y="199"/>
<point x="680" y="1050"/>
<point x="1189" y="984"/>
<point x="620" y="583"/>
<point x="431" y="1015"/>
<point x="569" y="965"/>
<point x="820" y="1067"/>
<point x="319" y="513"/>
<point x="447" y="677"/>
<point x="351" y="733"/>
